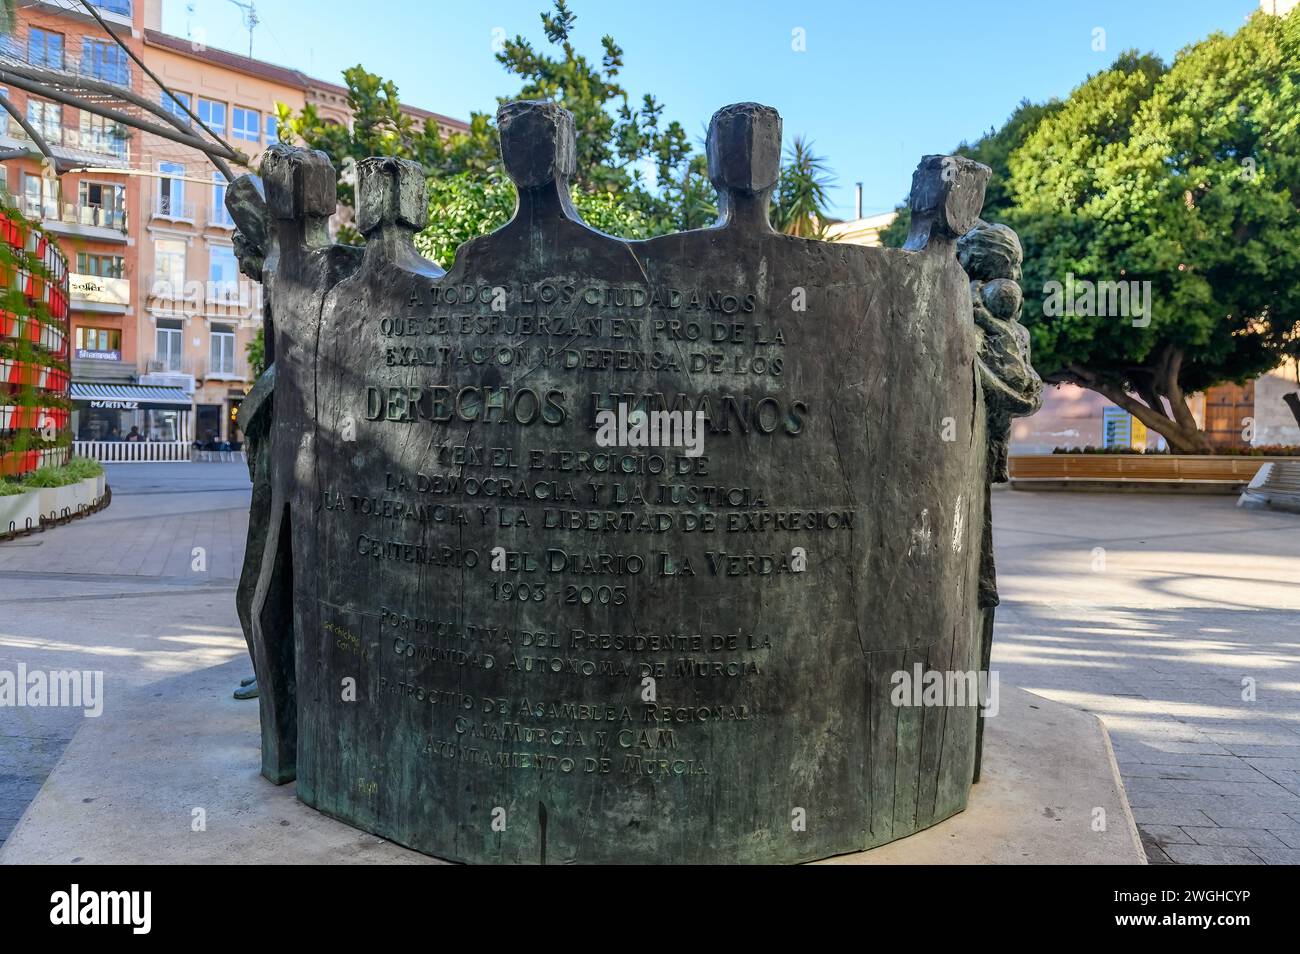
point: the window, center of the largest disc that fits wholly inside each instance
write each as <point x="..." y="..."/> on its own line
<point x="272" y="129"/>
<point x="45" y="48"/>
<point x="221" y="353"/>
<point x="219" y="214"/>
<point x="104" y="59"/>
<point x="169" y="268"/>
<point x="223" y="275"/>
<point x="171" y="191"/>
<point x="46" y="119"/>
<point x="246" y="124"/>
<point x="109" y="196"/>
<point x="213" y="114"/>
<point x="102" y="203"/>
<point x="102" y="135"/>
<point x="168" y="344"/>
<point x="173" y="102"/>
<point x="4" y="113"/>
<point x="122" y="7"/>
<point x="99" y="339"/>
<point x="40" y="196"/>
<point x="100" y="266"/>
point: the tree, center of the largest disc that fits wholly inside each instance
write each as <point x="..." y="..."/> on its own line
<point x="799" y="206"/>
<point x="1183" y="181"/>
<point x="464" y="206"/>
<point x="1177" y="186"/>
<point x="637" y="175"/>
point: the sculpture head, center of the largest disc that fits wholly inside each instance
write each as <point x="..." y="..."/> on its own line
<point x="246" y="203"/>
<point x="990" y="251"/>
<point x="744" y="148"/>
<point x="946" y="199"/>
<point x="391" y="192"/>
<point x="299" y="183"/>
<point x="538" y="143"/>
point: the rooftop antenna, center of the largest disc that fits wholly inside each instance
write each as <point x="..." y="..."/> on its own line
<point x="250" y="21"/>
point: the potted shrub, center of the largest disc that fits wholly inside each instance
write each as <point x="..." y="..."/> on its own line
<point x="90" y="475"/>
<point x="48" y="483"/>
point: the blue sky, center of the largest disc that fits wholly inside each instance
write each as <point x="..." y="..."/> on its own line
<point x="878" y="84"/>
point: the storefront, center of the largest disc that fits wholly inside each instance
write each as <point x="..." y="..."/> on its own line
<point x="111" y="412"/>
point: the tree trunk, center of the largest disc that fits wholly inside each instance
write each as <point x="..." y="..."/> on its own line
<point x="1177" y="427"/>
<point x="1292" y="401"/>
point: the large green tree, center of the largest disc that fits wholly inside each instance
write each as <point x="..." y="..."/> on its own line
<point x="1180" y="183"/>
<point x="1186" y="178"/>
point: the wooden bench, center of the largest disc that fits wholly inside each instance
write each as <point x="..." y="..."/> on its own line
<point x="1213" y="472"/>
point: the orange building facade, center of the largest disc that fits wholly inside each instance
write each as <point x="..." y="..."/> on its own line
<point x="160" y="319"/>
<point x="87" y="212"/>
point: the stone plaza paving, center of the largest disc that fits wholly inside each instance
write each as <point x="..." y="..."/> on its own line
<point x="1173" y="618"/>
<point x="1159" y="613"/>
<point x="121" y="592"/>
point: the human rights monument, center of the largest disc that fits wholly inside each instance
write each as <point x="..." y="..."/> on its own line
<point x="598" y="550"/>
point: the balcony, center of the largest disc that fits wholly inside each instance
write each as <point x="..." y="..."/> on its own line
<point x="173" y="209"/>
<point x="113" y="11"/>
<point x="227" y="370"/>
<point x="85" y="221"/>
<point x="90" y="146"/>
<point x="229" y="294"/>
<point x="169" y="371"/>
<point x="93" y="293"/>
<point x="168" y="364"/>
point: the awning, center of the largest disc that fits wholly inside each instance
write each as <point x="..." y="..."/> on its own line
<point x="131" y="397"/>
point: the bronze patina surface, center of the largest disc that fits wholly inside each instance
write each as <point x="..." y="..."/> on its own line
<point x="506" y="610"/>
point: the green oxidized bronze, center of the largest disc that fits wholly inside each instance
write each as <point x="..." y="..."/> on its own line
<point x="484" y="628"/>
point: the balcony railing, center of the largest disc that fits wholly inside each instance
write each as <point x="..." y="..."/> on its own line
<point x="168" y="364"/>
<point x="170" y="207"/>
<point x="233" y="294"/>
<point x="69" y="214"/>
<point x="99" y="141"/>
<point x="227" y="370"/>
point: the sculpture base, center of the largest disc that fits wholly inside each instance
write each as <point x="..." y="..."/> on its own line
<point x="127" y="789"/>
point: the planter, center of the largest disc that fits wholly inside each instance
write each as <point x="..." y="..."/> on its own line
<point x="89" y="491"/>
<point x="1213" y="473"/>
<point x="51" y="501"/>
<point x="20" y="510"/>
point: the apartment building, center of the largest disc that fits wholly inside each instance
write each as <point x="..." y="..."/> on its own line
<point x="197" y="314"/>
<point x="160" y="317"/>
<point x="89" y="211"/>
